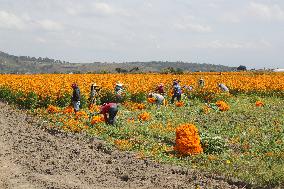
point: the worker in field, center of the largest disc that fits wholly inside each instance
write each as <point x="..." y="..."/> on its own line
<point x="176" y="91"/>
<point x="223" y="87"/>
<point x="119" y="91"/>
<point x="109" y="110"/>
<point x="201" y="82"/>
<point x="76" y="97"/>
<point x="188" y="88"/>
<point x="160" y="89"/>
<point x="94" y="92"/>
<point x="187" y="91"/>
<point x="160" y="100"/>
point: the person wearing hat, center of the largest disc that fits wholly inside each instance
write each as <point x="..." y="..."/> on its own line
<point x="176" y="91"/>
<point x="223" y="87"/>
<point x="201" y="83"/>
<point x="158" y="97"/>
<point x="76" y="97"/>
<point x="187" y="91"/>
<point x="94" y="94"/>
<point x="109" y="110"/>
<point x="118" y="91"/>
<point x="160" y="89"/>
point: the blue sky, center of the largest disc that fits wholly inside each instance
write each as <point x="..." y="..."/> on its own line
<point x="227" y="32"/>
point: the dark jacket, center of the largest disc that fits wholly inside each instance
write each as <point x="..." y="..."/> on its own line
<point x="76" y="94"/>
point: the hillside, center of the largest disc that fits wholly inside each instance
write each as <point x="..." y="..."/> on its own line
<point x="25" y="64"/>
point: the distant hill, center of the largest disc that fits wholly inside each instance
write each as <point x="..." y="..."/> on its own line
<point x="25" y="64"/>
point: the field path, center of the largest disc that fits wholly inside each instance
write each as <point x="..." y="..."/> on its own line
<point x="32" y="157"/>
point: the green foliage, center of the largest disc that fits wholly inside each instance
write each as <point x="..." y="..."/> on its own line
<point x="107" y="96"/>
<point x="44" y="101"/>
<point x="172" y="70"/>
<point x="30" y="101"/>
<point x="138" y="97"/>
<point x="83" y="101"/>
<point x="64" y="100"/>
<point x="7" y="94"/>
<point x="212" y="144"/>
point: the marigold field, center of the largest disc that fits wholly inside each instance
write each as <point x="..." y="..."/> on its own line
<point x="237" y="134"/>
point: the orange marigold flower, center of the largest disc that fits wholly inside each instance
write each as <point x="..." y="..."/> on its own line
<point x="97" y="119"/>
<point x="223" y="106"/>
<point x="188" y="140"/>
<point x="151" y="100"/>
<point x="140" y="106"/>
<point x="123" y="144"/>
<point x="144" y="116"/>
<point x="52" y="109"/>
<point x="130" y="120"/>
<point x="94" y="108"/>
<point x="259" y="104"/>
<point x="179" y="104"/>
<point x="206" y="109"/>
<point x="68" y="110"/>
<point x="82" y="114"/>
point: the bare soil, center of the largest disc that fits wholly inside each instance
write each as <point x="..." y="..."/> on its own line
<point x="34" y="157"/>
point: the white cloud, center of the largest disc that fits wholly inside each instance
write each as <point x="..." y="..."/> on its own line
<point x="95" y="8"/>
<point x="218" y="44"/>
<point x="40" y="40"/>
<point x="50" y="25"/>
<point x="103" y="8"/>
<point x="11" y="21"/>
<point x="194" y="27"/>
<point x="266" y="12"/>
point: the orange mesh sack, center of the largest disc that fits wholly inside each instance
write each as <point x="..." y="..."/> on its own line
<point x="188" y="140"/>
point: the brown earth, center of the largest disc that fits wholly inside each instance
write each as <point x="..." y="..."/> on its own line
<point x="34" y="157"/>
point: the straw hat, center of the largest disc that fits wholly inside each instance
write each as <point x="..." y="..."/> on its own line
<point x="119" y="84"/>
<point x="94" y="84"/>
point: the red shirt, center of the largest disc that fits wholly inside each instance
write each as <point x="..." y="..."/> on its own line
<point x="106" y="107"/>
<point x="160" y="89"/>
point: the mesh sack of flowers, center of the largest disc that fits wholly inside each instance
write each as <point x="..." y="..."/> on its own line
<point x="188" y="140"/>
